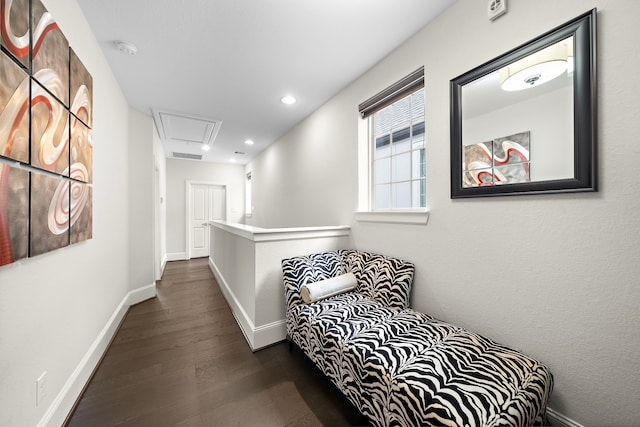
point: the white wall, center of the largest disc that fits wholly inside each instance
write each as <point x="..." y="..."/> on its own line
<point x="555" y="276"/>
<point x="52" y="307"/>
<point x="178" y="173"/>
<point x="310" y="176"/>
<point x="141" y="199"/>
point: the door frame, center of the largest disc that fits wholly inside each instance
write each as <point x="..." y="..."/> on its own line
<point x="157" y="229"/>
<point x="189" y="183"/>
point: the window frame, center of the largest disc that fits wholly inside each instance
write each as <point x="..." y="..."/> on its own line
<point x="366" y="187"/>
<point x="248" y="196"/>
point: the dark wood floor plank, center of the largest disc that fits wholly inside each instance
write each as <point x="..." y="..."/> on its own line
<point x="181" y="360"/>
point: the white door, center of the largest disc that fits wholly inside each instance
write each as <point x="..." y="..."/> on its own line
<point x="199" y="228"/>
<point x="217" y="198"/>
<point x="206" y="203"/>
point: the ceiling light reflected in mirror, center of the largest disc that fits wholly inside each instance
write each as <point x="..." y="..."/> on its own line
<point x="538" y="68"/>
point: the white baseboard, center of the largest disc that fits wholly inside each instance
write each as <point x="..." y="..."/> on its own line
<point x="271" y="333"/>
<point x="176" y="256"/>
<point x="163" y="264"/>
<point x="557" y="419"/>
<point x="243" y="319"/>
<point x="66" y="398"/>
<point x="141" y="294"/>
<point x="257" y="337"/>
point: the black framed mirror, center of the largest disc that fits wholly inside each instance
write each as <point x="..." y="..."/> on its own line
<point x="525" y="122"/>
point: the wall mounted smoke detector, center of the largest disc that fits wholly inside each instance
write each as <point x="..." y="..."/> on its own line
<point x="496" y="9"/>
<point x="128" y="48"/>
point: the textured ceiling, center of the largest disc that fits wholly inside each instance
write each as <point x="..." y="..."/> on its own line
<point x="232" y="60"/>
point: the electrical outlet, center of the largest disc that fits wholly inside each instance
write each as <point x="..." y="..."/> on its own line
<point x="496" y="9"/>
<point x="41" y="388"/>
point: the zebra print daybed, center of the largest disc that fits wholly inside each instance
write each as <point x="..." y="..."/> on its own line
<point x="402" y="367"/>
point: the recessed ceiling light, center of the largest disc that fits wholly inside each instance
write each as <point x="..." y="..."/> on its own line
<point x="232" y="160"/>
<point x="288" y="100"/>
<point x="248" y="142"/>
<point x="127" y="48"/>
<point x="205" y="147"/>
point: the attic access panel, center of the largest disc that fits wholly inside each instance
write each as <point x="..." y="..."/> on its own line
<point x="176" y="126"/>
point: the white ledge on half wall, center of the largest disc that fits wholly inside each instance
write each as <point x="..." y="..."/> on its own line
<point x="394" y="217"/>
<point x="258" y="234"/>
<point x="247" y="263"/>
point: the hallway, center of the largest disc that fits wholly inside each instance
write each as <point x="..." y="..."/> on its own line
<point x="181" y="360"/>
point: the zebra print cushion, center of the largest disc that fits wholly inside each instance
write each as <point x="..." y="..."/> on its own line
<point x="402" y="367"/>
<point x="384" y="279"/>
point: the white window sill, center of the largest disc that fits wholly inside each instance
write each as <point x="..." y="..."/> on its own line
<point x="394" y="217"/>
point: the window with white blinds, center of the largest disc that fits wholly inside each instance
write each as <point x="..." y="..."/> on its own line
<point x="398" y="179"/>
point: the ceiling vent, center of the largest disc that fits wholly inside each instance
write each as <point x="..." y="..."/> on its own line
<point x="187" y="156"/>
<point x="182" y="127"/>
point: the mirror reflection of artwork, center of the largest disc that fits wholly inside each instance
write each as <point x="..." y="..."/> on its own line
<point x="81" y="90"/>
<point x="15" y="25"/>
<point x="50" y="53"/>
<point x="502" y="161"/>
<point x="477" y="169"/>
<point x="49" y="213"/>
<point x="14" y="213"/>
<point x="14" y="114"/>
<point x="49" y="130"/>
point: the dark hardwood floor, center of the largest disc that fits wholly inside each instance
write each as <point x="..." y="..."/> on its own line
<point x="181" y="360"/>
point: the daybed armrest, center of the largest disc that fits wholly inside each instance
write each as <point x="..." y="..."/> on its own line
<point x="386" y="279"/>
<point x="299" y="270"/>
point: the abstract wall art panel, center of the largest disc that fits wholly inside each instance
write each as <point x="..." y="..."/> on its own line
<point x="511" y="158"/>
<point x="50" y="55"/>
<point x="81" y="151"/>
<point x="502" y="161"/>
<point x="81" y="212"/>
<point x="477" y="164"/>
<point x="14" y="110"/>
<point x="478" y="177"/>
<point x="49" y="213"/>
<point x="478" y="154"/>
<point x="46" y="148"/>
<point x="512" y="173"/>
<point x="511" y="149"/>
<point x="15" y="29"/>
<point x="81" y="90"/>
<point x="49" y="131"/>
<point x="14" y="213"/>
